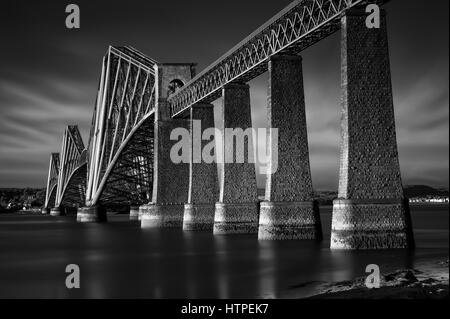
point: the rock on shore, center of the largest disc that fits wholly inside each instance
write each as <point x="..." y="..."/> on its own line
<point x="430" y="281"/>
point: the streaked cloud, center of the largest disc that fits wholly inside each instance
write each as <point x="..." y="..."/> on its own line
<point x="49" y="76"/>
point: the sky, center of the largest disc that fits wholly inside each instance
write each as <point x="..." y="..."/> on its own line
<point x="49" y="75"/>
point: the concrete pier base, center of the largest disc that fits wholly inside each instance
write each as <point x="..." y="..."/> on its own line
<point x="236" y="218"/>
<point x="289" y="220"/>
<point x="163" y="216"/>
<point x="45" y="211"/>
<point x="370" y="224"/>
<point x="198" y="217"/>
<point x="93" y="214"/>
<point x="134" y="212"/>
<point x="57" y="211"/>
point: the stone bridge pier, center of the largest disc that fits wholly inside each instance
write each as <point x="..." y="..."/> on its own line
<point x="288" y="211"/>
<point x="170" y="179"/>
<point x="89" y="214"/>
<point x="371" y="211"/>
<point x="203" y="183"/>
<point x="57" y="211"/>
<point x="237" y="209"/>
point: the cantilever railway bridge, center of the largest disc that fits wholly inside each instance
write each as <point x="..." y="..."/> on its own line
<point x="140" y="101"/>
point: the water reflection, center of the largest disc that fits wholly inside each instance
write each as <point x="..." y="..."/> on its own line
<point x="237" y="266"/>
<point x="287" y="266"/>
<point x="267" y="266"/>
<point x="120" y="260"/>
<point x="221" y="265"/>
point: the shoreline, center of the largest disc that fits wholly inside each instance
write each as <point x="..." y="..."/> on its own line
<point x="429" y="280"/>
<point x="35" y="210"/>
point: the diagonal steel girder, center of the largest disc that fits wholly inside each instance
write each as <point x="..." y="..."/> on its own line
<point x="52" y="180"/>
<point x="298" y="26"/>
<point x="120" y="143"/>
<point x="72" y="173"/>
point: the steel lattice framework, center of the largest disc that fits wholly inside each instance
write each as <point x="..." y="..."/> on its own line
<point x="72" y="174"/>
<point x="120" y="151"/>
<point x="52" y="180"/>
<point x="298" y="26"/>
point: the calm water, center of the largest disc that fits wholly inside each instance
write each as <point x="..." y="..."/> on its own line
<point x="118" y="259"/>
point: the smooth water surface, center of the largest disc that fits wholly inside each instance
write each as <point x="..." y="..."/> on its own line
<point x="120" y="260"/>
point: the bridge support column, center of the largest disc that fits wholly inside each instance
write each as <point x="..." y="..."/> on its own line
<point x="134" y="212"/>
<point x="288" y="211"/>
<point x="237" y="209"/>
<point x="57" y="211"/>
<point x="170" y="179"/>
<point x="370" y="212"/>
<point x="92" y="214"/>
<point x="203" y="184"/>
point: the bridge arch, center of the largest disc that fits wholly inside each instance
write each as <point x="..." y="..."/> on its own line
<point x="52" y="196"/>
<point x="131" y="168"/>
<point x="52" y="183"/>
<point x="72" y="175"/>
<point x="120" y="150"/>
<point x="74" y="192"/>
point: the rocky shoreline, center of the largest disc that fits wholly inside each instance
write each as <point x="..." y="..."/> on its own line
<point x="427" y="281"/>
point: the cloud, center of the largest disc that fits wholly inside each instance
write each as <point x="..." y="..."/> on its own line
<point x="32" y="122"/>
<point x="49" y="77"/>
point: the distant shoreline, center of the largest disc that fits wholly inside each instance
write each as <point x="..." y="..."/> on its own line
<point x="37" y="211"/>
<point x="429" y="204"/>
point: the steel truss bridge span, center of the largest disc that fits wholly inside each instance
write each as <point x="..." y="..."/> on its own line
<point x="295" y="28"/>
<point x="52" y="181"/>
<point x="72" y="175"/>
<point x="120" y="150"/>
